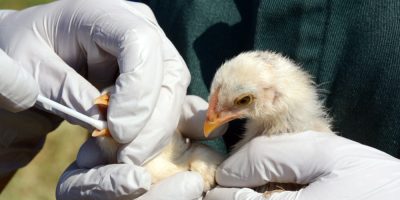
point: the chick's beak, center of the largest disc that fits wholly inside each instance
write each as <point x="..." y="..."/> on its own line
<point x="215" y="120"/>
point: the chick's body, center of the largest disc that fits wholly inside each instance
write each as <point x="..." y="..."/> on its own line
<point x="180" y="155"/>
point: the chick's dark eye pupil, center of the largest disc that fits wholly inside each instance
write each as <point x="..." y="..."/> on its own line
<point x="244" y="100"/>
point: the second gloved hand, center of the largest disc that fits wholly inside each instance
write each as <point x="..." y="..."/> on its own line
<point x="122" y="181"/>
<point x="333" y="166"/>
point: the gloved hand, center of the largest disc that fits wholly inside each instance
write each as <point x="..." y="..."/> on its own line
<point x="73" y="48"/>
<point x="122" y="181"/>
<point x="125" y="181"/>
<point x="334" y="167"/>
<point x="193" y="116"/>
<point x="18" y="89"/>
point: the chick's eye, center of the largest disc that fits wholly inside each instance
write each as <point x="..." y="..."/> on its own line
<point x="245" y="100"/>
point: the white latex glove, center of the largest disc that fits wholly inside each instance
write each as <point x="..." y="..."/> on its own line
<point x="18" y="89"/>
<point x="191" y="122"/>
<point x="123" y="181"/>
<point x="72" y="48"/>
<point x="335" y="167"/>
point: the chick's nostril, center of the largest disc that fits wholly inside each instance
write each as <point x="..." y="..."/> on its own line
<point x="210" y="119"/>
<point x="212" y="116"/>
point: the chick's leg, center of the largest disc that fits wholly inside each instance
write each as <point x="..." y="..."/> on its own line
<point x="107" y="144"/>
<point x="102" y="104"/>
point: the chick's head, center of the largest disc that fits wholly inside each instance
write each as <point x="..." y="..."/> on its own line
<point x="258" y="86"/>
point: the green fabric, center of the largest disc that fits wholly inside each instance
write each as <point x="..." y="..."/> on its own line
<point x="352" y="48"/>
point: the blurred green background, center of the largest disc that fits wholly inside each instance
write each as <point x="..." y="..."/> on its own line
<point x="38" y="180"/>
<point x="20" y="4"/>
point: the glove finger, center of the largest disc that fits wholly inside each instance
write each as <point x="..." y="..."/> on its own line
<point x="249" y="194"/>
<point x="221" y="193"/>
<point x="164" y="120"/>
<point x="143" y="9"/>
<point x="4" y="13"/>
<point x="234" y="194"/>
<point x="59" y="82"/>
<point x="298" y="158"/>
<point x="90" y="155"/>
<point x="330" y="188"/>
<point x="136" y="42"/>
<point x="18" y="89"/>
<point x="117" y="181"/>
<point x="183" y="185"/>
<point x="191" y="122"/>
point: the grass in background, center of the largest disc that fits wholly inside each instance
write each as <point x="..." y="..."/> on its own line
<point x="38" y="180"/>
<point x="20" y="4"/>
